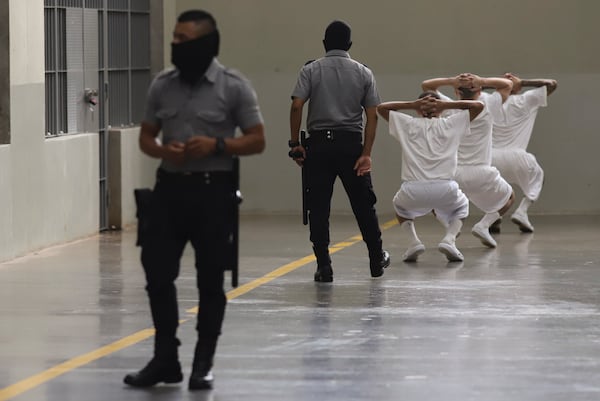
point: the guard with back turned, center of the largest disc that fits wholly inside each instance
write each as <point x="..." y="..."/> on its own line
<point x="339" y="90"/>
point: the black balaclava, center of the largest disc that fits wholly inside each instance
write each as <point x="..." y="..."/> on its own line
<point x="192" y="58"/>
<point x="337" y="36"/>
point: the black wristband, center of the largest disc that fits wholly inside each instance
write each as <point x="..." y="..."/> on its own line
<point x="293" y="144"/>
<point x="220" y="146"/>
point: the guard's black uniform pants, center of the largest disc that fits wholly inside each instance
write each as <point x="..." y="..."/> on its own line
<point x="198" y="209"/>
<point x="326" y="160"/>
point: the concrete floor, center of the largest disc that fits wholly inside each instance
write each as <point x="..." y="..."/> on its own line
<point x="520" y="322"/>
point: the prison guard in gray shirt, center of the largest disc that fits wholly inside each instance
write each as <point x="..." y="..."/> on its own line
<point x="338" y="88"/>
<point x="221" y="101"/>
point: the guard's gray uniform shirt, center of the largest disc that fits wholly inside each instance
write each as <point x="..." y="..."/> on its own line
<point x="338" y="88"/>
<point x="221" y="101"/>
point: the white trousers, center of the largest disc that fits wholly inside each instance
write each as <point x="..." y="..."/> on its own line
<point x="519" y="167"/>
<point x="484" y="186"/>
<point x="418" y="198"/>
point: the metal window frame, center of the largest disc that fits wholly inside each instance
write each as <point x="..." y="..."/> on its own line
<point x="58" y="121"/>
<point x="54" y="106"/>
<point x="56" y="110"/>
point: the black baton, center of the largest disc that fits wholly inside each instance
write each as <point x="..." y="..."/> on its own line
<point x="304" y="181"/>
<point x="235" y="232"/>
<point x="305" y="188"/>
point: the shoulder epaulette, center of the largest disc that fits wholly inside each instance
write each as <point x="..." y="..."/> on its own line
<point x="166" y="73"/>
<point x="232" y="72"/>
<point x="309" y="61"/>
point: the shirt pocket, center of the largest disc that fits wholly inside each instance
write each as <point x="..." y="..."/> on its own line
<point x="169" y="124"/>
<point x="212" y="116"/>
<point x="211" y="122"/>
<point x="166" y="114"/>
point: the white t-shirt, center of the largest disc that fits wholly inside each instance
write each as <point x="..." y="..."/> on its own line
<point x="513" y="128"/>
<point x="476" y="146"/>
<point x="429" y="145"/>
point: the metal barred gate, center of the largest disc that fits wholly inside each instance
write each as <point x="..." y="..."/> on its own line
<point x="96" y="51"/>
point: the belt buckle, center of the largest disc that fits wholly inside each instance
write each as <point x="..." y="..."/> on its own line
<point x="329" y="135"/>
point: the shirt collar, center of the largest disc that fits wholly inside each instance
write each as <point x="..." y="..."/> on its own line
<point x="337" y="53"/>
<point x="213" y="70"/>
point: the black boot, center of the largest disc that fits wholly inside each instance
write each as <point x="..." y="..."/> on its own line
<point x="378" y="263"/>
<point x="164" y="367"/>
<point x="201" y="377"/>
<point x="324" y="273"/>
<point x="156" y="371"/>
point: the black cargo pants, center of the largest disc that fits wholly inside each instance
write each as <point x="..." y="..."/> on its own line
<point x="332" y="154"/>
<point x="196" y="208"/>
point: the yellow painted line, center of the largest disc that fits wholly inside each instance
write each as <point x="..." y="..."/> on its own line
<point x="55" y="371"/>
<point x="36" y="380"/>
<point x="389" y="224"/>
<point x="283" y="270"/>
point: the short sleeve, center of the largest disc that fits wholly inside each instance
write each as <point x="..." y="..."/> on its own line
<point x="493" y="102"/>
<point x="150" y="115"/>
<point x="247" y="113"/>
<point x="302" y="88"/>
<point x="371" y="98"/>
<point x="398" y="123"/>
<point x="460" y="122"/>
<point x="445" y="98"/>
<point x="537" y="97"/>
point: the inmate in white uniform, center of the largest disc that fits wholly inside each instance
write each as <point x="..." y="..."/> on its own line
<point x="511" y="133"/>
<point x="429" y="159"/>
<point x="482" y="183"/>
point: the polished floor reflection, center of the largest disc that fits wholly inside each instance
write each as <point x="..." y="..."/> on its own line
<point x="520" y="322"/>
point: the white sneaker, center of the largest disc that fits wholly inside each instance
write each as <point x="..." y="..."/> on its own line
<point x="413" y="252"/>
<point x="521" y="219"/>
<point x="483" y="233"/>
<point x="451" y="252"/>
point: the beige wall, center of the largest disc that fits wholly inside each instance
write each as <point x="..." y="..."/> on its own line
<point x="49" y="187"/>
<point x="405" y="42"/>
<point x="405" y="37"/>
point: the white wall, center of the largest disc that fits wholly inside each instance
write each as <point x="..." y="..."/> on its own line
<point x="128" y="169"/>
<point x="48" y="188"/>
<point x="6" y="205"/>
<point x="404" y="43"/>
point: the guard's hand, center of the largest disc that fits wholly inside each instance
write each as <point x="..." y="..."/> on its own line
<point x="363" y="165"/>
<point x="199" y="146"/>
<point x="174" y="152"/>
<point x="298" y="154"/>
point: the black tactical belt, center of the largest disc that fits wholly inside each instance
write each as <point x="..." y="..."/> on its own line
<point x="335" y="135"/>
<point x="205" y="177"/>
